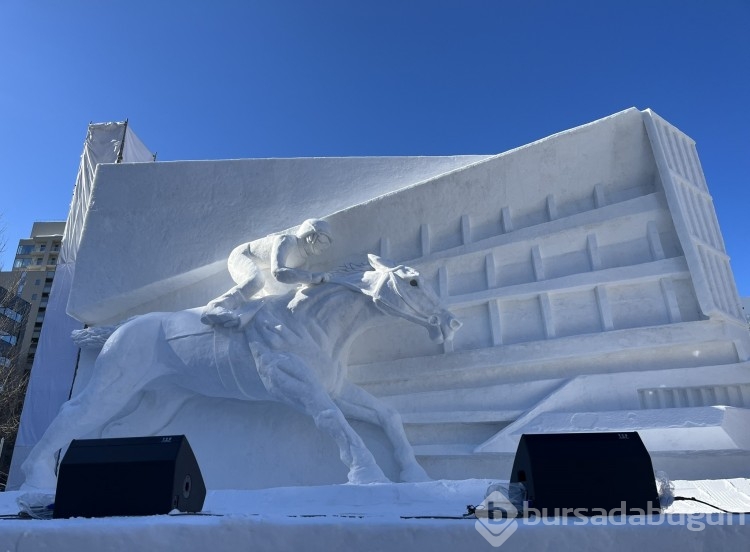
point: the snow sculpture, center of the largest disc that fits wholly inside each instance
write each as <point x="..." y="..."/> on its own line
<point x="285" y="256"/>
<point x="292" y="350"/>
<point x="588" y="269"/>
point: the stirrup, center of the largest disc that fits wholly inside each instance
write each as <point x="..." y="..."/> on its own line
<point x="218" y="315"/>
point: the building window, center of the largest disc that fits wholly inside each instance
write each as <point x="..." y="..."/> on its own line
<point x="42" y="247"/>
<point x="10" y="313"/>
<point x="8" y="338"/>
<point x="40" y="318"/>
<point x="21" y="263"/>
<point x="39" y="260"/>
<point x="52" y="260"/>
<point x="34" y="296"/>
<point x="24" y="249"/>
<point x="56" y="246"/>
<point x="50" y="275"/>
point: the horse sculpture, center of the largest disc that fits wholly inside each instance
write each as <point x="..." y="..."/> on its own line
<point x="292" y="348"/>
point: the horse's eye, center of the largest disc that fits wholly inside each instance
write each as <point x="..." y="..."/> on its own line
<point x="413" y="283"/>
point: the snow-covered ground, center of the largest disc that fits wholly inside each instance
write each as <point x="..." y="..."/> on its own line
<point x="405" y="516"/>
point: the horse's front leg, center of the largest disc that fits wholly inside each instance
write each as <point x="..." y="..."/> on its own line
<point x="288" y="379"/>
<point x="357" y="403"/>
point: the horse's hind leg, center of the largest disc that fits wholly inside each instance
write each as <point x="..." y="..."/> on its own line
<point x="78" y="417"/>
<point x="291" y="381"/>
<point x="119" y="374"/>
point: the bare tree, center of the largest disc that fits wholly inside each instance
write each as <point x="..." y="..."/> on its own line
<point x="2" y="241"/>
<point x="13" y="375"/>
<point x="13" y="383"/>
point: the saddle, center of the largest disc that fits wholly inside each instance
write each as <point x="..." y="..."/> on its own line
<point x="228" y="348"/>
<point x="188" y="322"/>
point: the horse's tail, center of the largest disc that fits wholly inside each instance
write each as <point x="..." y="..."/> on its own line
<point x="92" y="338"/>
<point x="96" y="336"/>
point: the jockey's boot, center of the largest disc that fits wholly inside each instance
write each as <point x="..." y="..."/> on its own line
<point x="222" y="311"/>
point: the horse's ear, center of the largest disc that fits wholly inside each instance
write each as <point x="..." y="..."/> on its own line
<point x="379" y="263"/>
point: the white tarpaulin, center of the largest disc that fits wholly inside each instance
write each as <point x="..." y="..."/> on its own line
<point x="56" y="356"/>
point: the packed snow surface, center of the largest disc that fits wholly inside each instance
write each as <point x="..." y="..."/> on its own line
<point x="405" y="516"/>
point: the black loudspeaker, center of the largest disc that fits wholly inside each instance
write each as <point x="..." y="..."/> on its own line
<point x="585" y="473"/>
<point x="136" y="476"/>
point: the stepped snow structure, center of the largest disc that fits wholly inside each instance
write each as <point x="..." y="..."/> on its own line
<point x="588" y="269"/>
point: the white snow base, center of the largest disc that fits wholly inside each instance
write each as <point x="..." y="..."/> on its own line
<point x="385" y="517"/>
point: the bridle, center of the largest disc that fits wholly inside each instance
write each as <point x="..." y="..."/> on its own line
<point x="413" y="315"/>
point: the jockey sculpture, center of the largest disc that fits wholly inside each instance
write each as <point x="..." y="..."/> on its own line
<point x="285" y="256"/>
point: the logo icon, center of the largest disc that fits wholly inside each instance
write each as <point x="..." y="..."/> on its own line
<point x="496" y="518"/>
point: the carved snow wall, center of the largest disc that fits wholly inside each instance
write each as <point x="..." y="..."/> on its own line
<point x="588" y="269"/>
<point x="591" y="276"/>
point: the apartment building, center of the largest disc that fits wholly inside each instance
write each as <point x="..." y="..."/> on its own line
<point x="13" y="318"/>
<point x="33" y="272"/>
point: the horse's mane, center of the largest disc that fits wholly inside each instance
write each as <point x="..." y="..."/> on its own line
<point x="351" y="267"/>
<point x="343" y="277"/>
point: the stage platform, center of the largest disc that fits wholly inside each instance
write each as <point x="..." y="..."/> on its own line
<point x="409" y="516"/>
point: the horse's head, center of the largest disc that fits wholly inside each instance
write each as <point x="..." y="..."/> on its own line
<point x="401" y="291"/>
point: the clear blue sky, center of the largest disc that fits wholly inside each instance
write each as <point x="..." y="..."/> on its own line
<point x="277" y="78"/>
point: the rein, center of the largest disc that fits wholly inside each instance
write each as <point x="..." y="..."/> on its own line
<point x="414" y="316"/>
